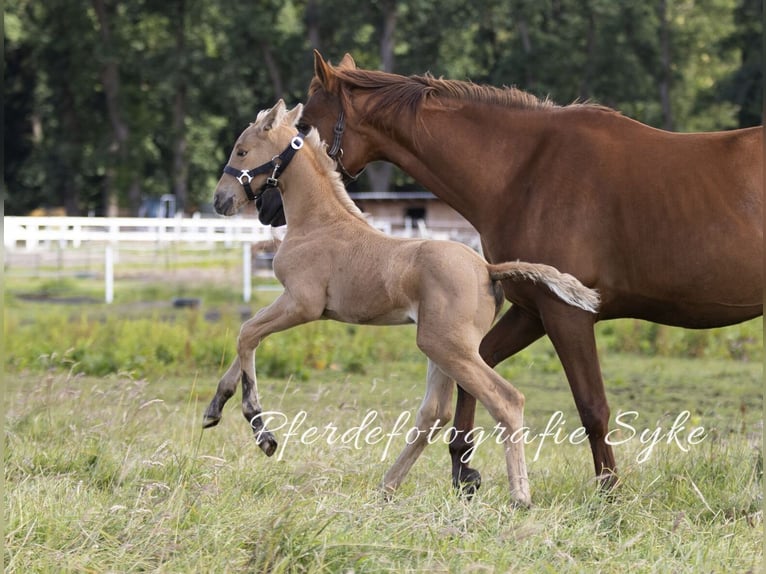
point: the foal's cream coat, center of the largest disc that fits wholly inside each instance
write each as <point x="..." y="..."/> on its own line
<point x="334" y="265"/>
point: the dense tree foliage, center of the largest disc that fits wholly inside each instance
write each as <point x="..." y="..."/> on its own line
<point x="110" y="102"/>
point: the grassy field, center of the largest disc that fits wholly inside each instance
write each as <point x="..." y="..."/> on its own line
<point x="108" y="470"/>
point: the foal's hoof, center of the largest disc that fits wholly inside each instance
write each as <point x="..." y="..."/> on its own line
<point x="209" y="422"/>
<point x="468" y="483"/>
<point x="521" y="502"/>
<point x="267" y="442"/>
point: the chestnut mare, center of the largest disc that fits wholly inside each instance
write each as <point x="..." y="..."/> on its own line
<point x="667" y="226"/>
<point x="334" y="265"/>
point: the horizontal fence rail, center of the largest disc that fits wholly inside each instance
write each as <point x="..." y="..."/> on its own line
<point x="34" y="232"/>
<point x="30" y="234"/>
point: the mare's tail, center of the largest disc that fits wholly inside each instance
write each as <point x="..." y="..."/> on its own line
<point x="565" y="286"/>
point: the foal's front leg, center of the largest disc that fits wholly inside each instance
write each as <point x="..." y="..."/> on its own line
<point x="226" y="388"/>
<point x="282" y="314"/>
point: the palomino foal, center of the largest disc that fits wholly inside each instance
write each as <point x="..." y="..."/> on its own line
<point x="334" y="265"/>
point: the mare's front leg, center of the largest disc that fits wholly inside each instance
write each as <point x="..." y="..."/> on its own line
<point x="432" y="415"/>
<point x="282" y="314"/>
<point x="514" y="331"/>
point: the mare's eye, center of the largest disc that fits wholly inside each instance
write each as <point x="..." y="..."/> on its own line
<point x="241" y="153"/>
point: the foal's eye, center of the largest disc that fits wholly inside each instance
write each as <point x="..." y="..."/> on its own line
<point x="241" y="153"/>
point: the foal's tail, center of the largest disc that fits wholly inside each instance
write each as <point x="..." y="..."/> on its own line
<point x="565" y="286"/>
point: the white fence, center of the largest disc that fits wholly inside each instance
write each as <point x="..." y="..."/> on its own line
<point x="34" y="235"/>
<point x="31" y="234"/>
<point x="36" y="232"/>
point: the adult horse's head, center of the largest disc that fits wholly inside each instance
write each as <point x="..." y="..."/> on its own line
<point x="258" y="158"/>
<point x="329" y="110"/>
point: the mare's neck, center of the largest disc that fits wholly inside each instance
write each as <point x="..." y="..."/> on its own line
<point x="466" y="154"/>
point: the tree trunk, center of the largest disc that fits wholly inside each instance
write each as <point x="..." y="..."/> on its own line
<point x="311" y="18"/>
<point x="110" y="79"/>
<point x="590" y="54"/>
<point x="180" y="161"/>
<point x="379" y="174"/>
<point x="665" y="71"/>
<point x="517" y="14"/>
<point x="273" y="69"/>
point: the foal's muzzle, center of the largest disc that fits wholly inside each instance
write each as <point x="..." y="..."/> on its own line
<point x="223" y="206"/>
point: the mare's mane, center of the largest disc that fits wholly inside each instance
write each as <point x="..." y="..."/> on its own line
<point x="395" y="93"/>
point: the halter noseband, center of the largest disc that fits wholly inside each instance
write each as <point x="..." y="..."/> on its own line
<point x="336" y="151"/>
<point x="276" y="166"/>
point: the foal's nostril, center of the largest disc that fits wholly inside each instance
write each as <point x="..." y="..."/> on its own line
<point x="222" y="206"/>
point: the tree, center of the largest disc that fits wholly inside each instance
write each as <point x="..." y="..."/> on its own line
<point x="113" y="102"/>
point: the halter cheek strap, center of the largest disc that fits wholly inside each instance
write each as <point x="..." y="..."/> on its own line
<point x="336" y="149"/>
<point x="275" y="167"/>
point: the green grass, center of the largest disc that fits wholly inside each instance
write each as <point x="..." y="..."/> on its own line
<point x="114" y="474"/>
<point x="108" y="470"/>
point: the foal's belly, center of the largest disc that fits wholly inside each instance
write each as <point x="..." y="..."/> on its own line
<point x="399" y="316"/>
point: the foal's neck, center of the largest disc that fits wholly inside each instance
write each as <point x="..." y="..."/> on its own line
<point x="311" y="200"/>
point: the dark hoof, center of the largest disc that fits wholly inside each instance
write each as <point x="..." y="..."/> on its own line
<point x="468" y="483"/>
<point x="608" y="481"/>
<point x="209" y="422"/>
<point x="267" y="442"/>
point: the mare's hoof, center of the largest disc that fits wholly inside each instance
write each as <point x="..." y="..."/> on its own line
<point x="468" y="484"/>
<point x="608" y="481"/>
<point x="267" y="442"/>
<point x="209" y="422"/>
<point x="387" y="493"/>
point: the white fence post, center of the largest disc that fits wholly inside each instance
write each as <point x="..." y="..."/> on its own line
<point x="109" y="273"/>
<point x="247" y="271"/>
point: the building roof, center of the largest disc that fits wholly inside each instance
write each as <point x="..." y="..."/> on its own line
<point x="389" y="195"/>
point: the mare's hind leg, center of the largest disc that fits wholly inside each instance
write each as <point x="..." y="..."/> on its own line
<point x="226" y="388"/>
<point x="571" y="332"/>
<point x="432" y="415"/>
<point x="513" y="332"/>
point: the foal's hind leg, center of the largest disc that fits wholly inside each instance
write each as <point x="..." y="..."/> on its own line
<point x="432" y="415"/>
<point x="506" y="405"/>
<point x="513" y="332"/>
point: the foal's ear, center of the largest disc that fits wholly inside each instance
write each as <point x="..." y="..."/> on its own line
<point x="323" y="72"/>
<point x="294" y="115"/>
<point x="347" y="62"/>
<point x="272" y="117"/>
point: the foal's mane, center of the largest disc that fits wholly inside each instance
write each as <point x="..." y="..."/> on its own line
<point x="395" y="93"/>
<point x="326" y="166"/>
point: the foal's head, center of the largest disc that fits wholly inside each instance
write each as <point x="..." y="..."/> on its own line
<point x="257" y="153"/>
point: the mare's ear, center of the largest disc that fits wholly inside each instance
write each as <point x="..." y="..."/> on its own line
<point x="347" y="62"/>
<point x="323" y="72"/>
<point x="272" y="117"/>
<point x="294" y="115"/>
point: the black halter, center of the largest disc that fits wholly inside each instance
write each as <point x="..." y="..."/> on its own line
<point x="276" y="166"/>
<point x="336" y="151"/>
